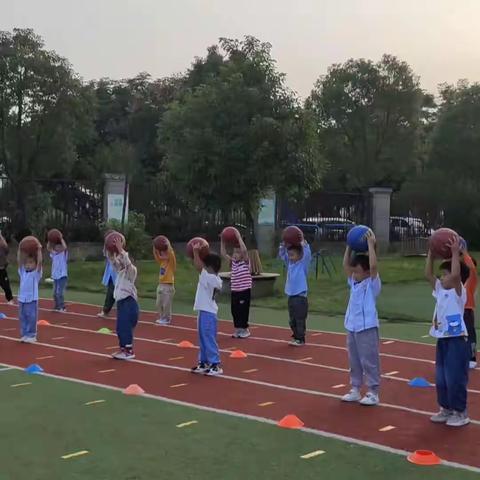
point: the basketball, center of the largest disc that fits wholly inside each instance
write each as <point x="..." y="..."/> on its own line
<point x="29" y="245"/>
<point x="204" y="250"/>
<point x="161" y="243"/>
<point x="439" y="241"/>
<point x="111" y="240"/>
<point x="54" y="236"/>
<point x="356" y="238"/>
<point x="292" y="236"/>
<point x="230" y="235"/>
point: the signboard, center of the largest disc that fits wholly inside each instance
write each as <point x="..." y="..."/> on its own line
<point x="266" y="213"/>
<point x="115" y="207"/>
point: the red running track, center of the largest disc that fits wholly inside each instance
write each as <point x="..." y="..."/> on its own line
<point x="304" y="381"/>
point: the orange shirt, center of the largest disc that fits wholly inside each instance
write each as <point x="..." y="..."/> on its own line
<point x="471" y="283"/>
<point x="168" y="267"/>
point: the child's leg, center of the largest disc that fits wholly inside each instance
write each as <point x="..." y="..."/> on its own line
<point x="133" y="313"/>
<point x="55" y="294"/>
<point x="298" y="309"/>
<point x="168" y="294"/>
<point x="440" y="373"/>
<point x="22" y="317"/>
<point x="5" y="284"/>
<point x="356" y="369"/>
<point x="456" y="372"/>
<point x="243" y="308"/>
<point x="62" y="285"/>
<point x="291" y="315"/>
<point x="123" y="324"/>
<point x="31" y="314"/>
<point x="236" y="309"/>
<point x="109" y="300"/>
<point x="160" y="301"/>
<point x="469" y="317"/>
<point x="368" y="351"/>
<point x="202" y="327"/>
<point x="209" y="332"/>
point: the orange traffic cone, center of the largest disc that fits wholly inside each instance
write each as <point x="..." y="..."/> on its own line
<point x="238" y="354"/>
<point x="134" y="389"/>
<point x="186" y="344"/>
<point x="424" y="457"/>
<point x="290" y="421"/>
<point x="43" y="323"/>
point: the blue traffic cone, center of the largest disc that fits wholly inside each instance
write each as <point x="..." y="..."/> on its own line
<point x="34" y="369"/>
<point x="419" y="382"/>
<point x="2" y="316"/>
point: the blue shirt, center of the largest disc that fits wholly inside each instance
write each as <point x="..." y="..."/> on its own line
<point x="59" y="264"/>
<point x="297" y="272"/>
<point x="109" y="273"/>
<point x="362" y="306"/>
<point x="28" y="290"/>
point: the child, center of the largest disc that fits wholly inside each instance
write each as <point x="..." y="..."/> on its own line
<point x="125" y="294"/>
<point x="108" y="280"/>
<point x="166" y="284"/>
<point x="240" y="286"/>
<point x="4" y="281"/>
<point x="297" y="260"/>
<point x="59" y="256"/>
<point x="209" y="283"/>
<point x="453" y="353"/>
<point x="361" y="322"/>
<point x="30" y="273"/>
<point x="469" y="313"/>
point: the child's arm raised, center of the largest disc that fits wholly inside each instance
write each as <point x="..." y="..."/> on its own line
<point x="197" y="261"/>
<point x="455" y="247"/>
<point x="223" y="251"/>
<point x="242" y="246"/>
<point x="372" y="254"/>
<point x="346" y="261"/>
<point x="39" y="258"/>
<point x="429" y="270"/>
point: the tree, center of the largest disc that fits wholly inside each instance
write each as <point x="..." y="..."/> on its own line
<point x="237" y="132"/>
<point x="44" y="115"/>
<point x="368" y="115"/>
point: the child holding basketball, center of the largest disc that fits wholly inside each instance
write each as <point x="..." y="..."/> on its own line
<point x="361" y="323"/>
<point x="30" y="273"/>
<point x="453" y="353"/>
<point x="240" y="286"/>
<point x="166" y="283"/>
<point x="297" y="260"/>
<point x="59" y="255"/>
<point x="108" y="281"/>
<point x="4" y="280"/>
<point x="209" y="283"/>
<point x="125" y="294"/>
<point x="469" y="313"/>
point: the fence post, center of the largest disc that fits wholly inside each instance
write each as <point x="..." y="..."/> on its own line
<point x="113" y="195"/>
<point x="265" y="225"/>
<point x="380" y="214"/>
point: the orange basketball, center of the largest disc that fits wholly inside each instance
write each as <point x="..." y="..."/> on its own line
<point x="204" y="249"/>
<point x="439" y="241"/>
<point x="230" y="236"/>
<point x="111" y="241"/>
<point x="161" y="243"/>
<point x="54" y="236"/>
<point x="29" y="245"/>
<point x="292" y="236"/>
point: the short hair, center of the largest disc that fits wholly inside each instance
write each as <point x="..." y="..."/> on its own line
<point x="464" y="270"/>
<point x="295" y="248"/>
<point x="362" y="260"/>
<point x="474" y="261"/>
<point x="213" y="261"/>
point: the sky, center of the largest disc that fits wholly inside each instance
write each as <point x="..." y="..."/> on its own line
<point x="440" y="39"/>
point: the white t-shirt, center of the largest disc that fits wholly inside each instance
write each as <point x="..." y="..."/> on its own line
<point x="448" y="315"/>
<point x="208" y="285"/>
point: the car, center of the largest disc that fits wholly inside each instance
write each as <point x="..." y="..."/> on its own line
<point x="403" y="227"/>
<point x="332" y="228"/>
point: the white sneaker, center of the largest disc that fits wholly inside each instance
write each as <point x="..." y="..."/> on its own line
<point x="458" y="419"/>
<point x="370" y="399"/>
<point x="472" y="364"/>
<point x="163" y="321"/>
<point x="29" y="339"/>
<point x="442" y="416"/>
<point x="236" y="333"/>
<point x="244" y="333"/>
<point x="11" y="302"/>
<point x="102" y="315"/>
<point x="214" y="371"/>
<point x="352" y="396"/>
<point x="22" y="340"/>
<point x="124" y="355"/>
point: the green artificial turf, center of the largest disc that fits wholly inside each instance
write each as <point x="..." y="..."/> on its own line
<point x="134" y="438"/>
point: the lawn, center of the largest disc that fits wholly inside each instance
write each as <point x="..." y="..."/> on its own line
<point x="132" y="438"/>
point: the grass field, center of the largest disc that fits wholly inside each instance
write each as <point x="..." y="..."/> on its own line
<point x="137" y="438"/>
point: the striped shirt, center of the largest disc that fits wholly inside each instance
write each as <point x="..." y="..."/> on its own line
<point x="241" y="278"/>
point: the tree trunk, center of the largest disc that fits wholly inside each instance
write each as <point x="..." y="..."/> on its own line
<point x="124" y="206"/>
<point x="251" y="239"/>
<point x="19" y="217"/>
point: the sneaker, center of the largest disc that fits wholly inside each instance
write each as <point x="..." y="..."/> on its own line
<point x="458" y="419"/>
<point x="22" y="340"/>
<point x="472" y="364"/>
<point x="124" y="354"/>
<point x="11" y="302"/>
<point x="29" y="339"/>
<point x="236" y="333"/>
<point x="442" y="416"/>
<point x="244" y="333"/>
<point x="200" y="368"/>
<point x="163" y="321"/>
<point x="296" y="343"/>
<point x="102" y="315"/>
<point x="370" y="399"/>
<point x="352" y="396"/>
<point x="214" y="371"/>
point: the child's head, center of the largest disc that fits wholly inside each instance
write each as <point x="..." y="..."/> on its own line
<point x="295" y="253"/>
<point x="213" y="263"/>
<point x="446" y="278"/>
<point x="30" y="263"/>
<point x="360" y="266"/>
<point x="58" y="247"/>
<point x="237" y="254"/>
